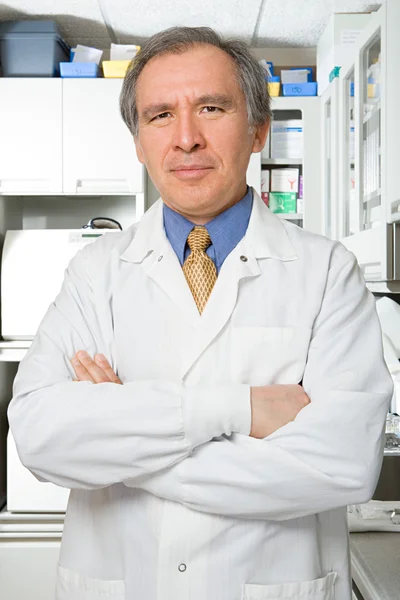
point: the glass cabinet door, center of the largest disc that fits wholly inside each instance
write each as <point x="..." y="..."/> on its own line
<point x="328" y="168"/>
<point x="371" y="180"/>
<point x="351" y="213"/>
<point x="330" y="177"/>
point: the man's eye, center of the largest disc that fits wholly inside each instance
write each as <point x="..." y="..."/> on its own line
<point x="161" y="116"/>
<point x="212" y="109"/>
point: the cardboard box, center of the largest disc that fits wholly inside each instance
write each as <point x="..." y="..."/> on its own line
<point x="287" y="139"/>
<point x="336" y="44"/>
<point x="265" y="179"/>
<point x="294" y="75"/>
<point x="283" y="202"/>
<point x="285" y="180"/>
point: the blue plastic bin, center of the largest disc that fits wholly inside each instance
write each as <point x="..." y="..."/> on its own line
<point x="31" y="49"/>
<point x="79" y="69"/>
<point x="299" y="89"/>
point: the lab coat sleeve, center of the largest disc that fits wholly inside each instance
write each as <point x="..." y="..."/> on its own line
<point x="85" y="435"/>
<point x="331" y="454"/>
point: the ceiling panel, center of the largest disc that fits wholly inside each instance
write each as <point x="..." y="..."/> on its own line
<point x="134" y="21"/>
<point x="292" y="22"/>
<point x="301" y="22"/>
<point x="264" y="23"/>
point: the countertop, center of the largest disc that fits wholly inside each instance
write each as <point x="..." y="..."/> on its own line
<point x="375" y="563"/>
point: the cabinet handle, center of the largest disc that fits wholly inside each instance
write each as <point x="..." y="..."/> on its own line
<point x="8" y="186"/>
<point x="102" y="186"/>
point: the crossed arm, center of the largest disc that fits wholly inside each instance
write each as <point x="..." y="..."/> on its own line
<point x="198" y="451"/>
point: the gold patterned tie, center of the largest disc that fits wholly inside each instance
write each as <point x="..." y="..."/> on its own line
<point x="199" y="269"/>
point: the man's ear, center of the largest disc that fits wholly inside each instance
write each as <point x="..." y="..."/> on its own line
<point x="139" y="150"/>
<point x="261" y="132"/>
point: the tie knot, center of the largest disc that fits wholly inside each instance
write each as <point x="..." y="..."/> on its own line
<point x="199" y="239"/>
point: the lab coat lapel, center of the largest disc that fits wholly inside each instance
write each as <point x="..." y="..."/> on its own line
<point x="151" y="248"/>
<point x="218" y="310"/>
<point x="265" y="238"/>
<point x="164" y="268"/>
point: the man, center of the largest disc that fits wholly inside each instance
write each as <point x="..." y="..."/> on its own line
<point x="210" y="473"/>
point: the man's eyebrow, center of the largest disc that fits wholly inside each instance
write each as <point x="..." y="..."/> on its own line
<point x="207" y="99"/>
<point x="220" y="99"/>
<point x="154" y="109"/>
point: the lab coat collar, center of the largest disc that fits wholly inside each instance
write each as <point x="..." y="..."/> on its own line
<point x="266" y="235"/>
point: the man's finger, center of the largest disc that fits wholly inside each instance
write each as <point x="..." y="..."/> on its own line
<point x="80" y="371"/>
<point x="103" y="363"/>
<point x="97" y="375"/>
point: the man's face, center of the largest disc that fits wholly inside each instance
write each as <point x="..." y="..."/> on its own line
<point x="194" y="135"/>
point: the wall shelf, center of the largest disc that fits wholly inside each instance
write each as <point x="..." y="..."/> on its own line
<point x="281" y="161"/>
<point x="14" y="351"/>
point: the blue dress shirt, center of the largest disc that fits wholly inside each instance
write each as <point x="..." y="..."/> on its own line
<point x="225" y="230"/>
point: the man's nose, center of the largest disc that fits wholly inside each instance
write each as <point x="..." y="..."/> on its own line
<point x="188" y="134"/>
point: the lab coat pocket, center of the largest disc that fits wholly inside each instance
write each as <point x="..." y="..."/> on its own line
<point x="74" y="586"/>
<point x="317" y="589"/>
<point x="268" y="355"/>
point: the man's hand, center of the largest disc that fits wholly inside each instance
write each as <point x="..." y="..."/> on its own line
<point x="274" y="406"/>
<point x="96" y="371"/>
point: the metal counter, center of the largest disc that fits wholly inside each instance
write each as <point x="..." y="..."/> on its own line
<point x="375" y="563"/>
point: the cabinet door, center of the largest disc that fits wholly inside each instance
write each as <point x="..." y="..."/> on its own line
<point x="30" y="139"/>
<point x="99" y="155"/>
<point x="329" y="146"/>
<point x="28" y="569"/>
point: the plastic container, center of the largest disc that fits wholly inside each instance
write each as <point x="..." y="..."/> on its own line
<point x="300" y="89"/>
<point x="308" y="69"/>
<point x="79" y="69"/>
<point x="334" y="73"/>
<point x="283" y="202"/>
<point x="31" y="49"/>
<point x="274" y="85"/>
<point x="115" y="68"/>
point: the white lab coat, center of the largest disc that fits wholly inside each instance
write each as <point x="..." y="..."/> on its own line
<point x="171" y="499"/>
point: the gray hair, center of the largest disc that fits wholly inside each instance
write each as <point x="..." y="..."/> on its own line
<point x="176" y="40"/>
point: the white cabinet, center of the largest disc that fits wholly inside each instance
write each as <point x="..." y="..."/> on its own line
<point x="66" y="137"/>
<point x="369" y="153"/>
<point x="28" y="568"/>
<point x="98" y="151"/>
<point x="30" y="138"/>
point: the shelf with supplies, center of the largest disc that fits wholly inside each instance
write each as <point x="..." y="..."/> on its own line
<point x="361" y="152"/>
<point x="290" y="161"/>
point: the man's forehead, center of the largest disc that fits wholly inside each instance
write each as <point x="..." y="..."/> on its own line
<point x="201" y="58"/>
<point x="194" y="73"/>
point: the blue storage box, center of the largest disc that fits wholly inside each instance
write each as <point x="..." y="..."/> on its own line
<point x="79" y="69"/>
<point x="300" y="89"/>
<point x="31" y="49"/>
<point x="271" y="67"/>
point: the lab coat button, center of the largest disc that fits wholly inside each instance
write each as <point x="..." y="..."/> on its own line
<point x="243" y="258"/>
<point x="160" y="257"/>
<point x="182" y="568"/>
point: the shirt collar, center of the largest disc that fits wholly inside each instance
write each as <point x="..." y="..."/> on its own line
<point x="266" y="234"/>
<point x="225" y="230"/>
